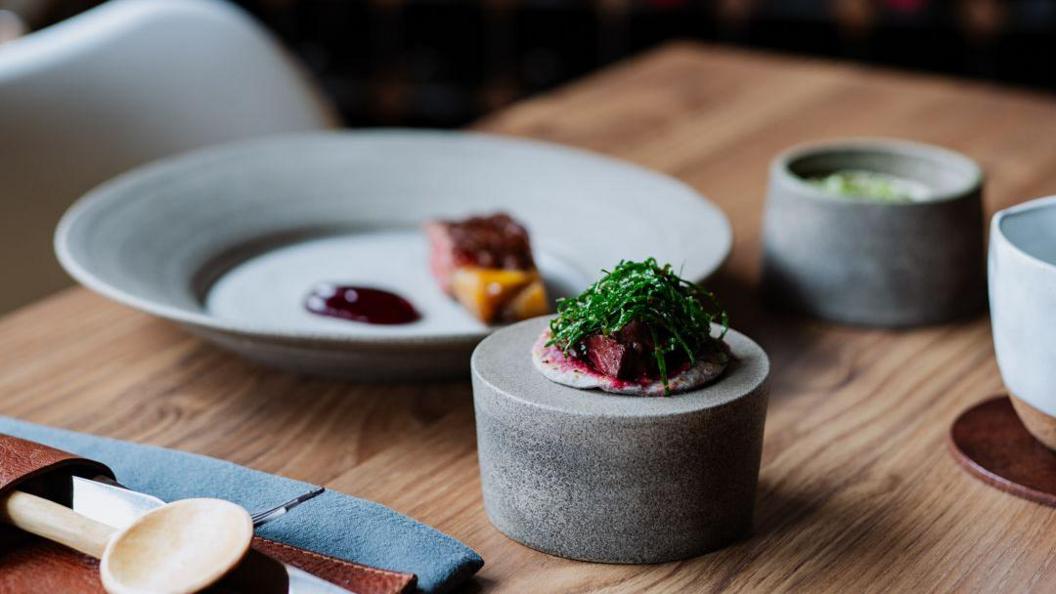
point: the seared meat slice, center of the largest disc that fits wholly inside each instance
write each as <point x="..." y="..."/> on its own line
<point x="495" y="242"/>
<point x="486" y="264"/>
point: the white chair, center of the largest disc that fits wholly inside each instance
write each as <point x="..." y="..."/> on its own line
<point x="119" y="85"/>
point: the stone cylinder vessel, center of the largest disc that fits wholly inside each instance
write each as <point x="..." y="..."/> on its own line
<point x="594" y="476"/>
<point x="862" y="261"/>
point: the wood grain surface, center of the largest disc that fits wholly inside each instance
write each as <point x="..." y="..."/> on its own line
<point x="858" y="492"/>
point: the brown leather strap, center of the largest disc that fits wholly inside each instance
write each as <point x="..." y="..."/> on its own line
<point x="31" y="564"/>
<point x="43" y="470"/>
<point x="28" y="563"/>
<point x="353" y="576"/>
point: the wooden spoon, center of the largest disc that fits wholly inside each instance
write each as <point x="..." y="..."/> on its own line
<point x="181" y="547"/>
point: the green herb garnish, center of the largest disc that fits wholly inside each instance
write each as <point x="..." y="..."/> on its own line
<point x="880" y="187"/>
<point x="675" y="310"/>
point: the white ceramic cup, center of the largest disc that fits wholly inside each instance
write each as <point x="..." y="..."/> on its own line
<point x="1022" y="265"/>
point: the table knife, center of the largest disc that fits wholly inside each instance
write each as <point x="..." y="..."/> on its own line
<point x="118" y="507"/>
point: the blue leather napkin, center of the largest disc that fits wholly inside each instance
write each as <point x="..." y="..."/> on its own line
<point x="333" y="523"/>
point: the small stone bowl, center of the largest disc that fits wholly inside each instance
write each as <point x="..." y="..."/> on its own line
<point x="861" y="261"/>
<point x="593" y="476"/>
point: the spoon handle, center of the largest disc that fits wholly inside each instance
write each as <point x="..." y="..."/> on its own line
<point x="55" y="522"/>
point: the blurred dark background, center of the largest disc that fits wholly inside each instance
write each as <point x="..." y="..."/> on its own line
<point x="446" y="62"/>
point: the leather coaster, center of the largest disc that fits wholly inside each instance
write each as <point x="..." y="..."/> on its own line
<point x="991" y="443"/>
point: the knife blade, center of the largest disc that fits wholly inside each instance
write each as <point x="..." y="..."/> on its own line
<point x="118" y="507"/>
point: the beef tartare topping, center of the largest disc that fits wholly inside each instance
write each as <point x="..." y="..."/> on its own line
<point x="640" y="323"/>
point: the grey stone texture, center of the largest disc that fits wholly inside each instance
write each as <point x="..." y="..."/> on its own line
<point x="594" y="476"/>
<point x="865" y="262"/>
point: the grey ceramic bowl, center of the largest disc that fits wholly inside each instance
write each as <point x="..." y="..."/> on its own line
<point x="865" y="262"/>
<point x="619" y="479"/>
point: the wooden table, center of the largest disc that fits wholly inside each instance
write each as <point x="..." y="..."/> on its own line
<point x="857" y="493"/>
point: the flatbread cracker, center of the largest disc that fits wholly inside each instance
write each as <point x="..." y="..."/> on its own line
<point x="569" y="371"/>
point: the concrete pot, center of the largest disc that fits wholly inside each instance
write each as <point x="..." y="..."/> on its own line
<point x="619" y="479"/>
<point x="858" y="261"/>
<point x="1023" y="310"/>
